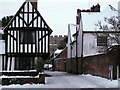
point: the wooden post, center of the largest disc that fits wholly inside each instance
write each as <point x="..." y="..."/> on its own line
<point x="41" y="78"/>
<point x="117" y="72"/>
<point x="118" y="83"/>
<point x="1" y="60"/>
<point x="111" y="72"/>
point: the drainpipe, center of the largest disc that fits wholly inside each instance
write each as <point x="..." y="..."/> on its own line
<point x="77" y="72"/>
<point x="79" y="22"/>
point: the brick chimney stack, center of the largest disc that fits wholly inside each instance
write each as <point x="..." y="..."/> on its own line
<point x="34" y="2"/>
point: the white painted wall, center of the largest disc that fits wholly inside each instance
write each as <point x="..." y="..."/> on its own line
<point x="0" y="62"/>
<point x="2" y="51"/>
<point x="2" y="47"/>
<point x="73" y="50"/>
<point x="69" y="43"/>
<point x="119" y="8"/>
<point x="89" y="44"/>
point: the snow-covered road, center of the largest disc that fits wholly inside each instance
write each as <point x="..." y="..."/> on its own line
<point x="66" y="80"/>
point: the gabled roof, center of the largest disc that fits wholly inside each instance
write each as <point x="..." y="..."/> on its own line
<point x="27" y="16"/>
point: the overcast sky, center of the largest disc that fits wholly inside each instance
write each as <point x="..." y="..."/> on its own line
<point x="59" y="13"/>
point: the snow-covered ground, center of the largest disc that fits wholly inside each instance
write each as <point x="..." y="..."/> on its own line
<point x="66" y="80"/>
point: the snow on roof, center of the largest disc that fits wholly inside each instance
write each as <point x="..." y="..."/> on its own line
<point x="58" y="51"/>
<point x="1" y="31"/>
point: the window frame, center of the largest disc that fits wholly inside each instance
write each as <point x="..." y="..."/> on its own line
<point x="25" y="36"/>
<point x="102" y="40"/>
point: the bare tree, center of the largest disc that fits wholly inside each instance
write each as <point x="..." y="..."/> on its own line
<point x="112" y="24"/>
<point x="62" y="43"/>
<point x="5" y="20"/>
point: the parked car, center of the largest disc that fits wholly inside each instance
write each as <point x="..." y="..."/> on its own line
<point x="47" y="66"/>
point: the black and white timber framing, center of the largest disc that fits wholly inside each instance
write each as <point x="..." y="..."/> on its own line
<point x="26" y="37"/>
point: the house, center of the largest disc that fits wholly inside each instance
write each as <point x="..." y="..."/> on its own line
<point x="94" y="43"/>
<point x="87" y="43"/>
<point x="91" y="52"/>
<point x="26" y="38"/>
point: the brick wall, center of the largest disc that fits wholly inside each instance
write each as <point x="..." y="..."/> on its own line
<point x="60" y="65"/>
<point x="54" y="42"/>
<point x="96" y="65"/>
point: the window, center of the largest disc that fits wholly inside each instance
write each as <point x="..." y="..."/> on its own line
<point x="23" y="63"/>
<point x="101" y="40"/>
<point x="27" y="37"/>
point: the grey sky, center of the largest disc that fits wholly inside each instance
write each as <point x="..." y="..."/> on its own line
<point x="59" y="13"/>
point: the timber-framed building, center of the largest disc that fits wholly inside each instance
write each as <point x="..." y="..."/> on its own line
<point x="26" y="38"/>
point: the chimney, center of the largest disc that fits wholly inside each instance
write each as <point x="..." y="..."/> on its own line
<point x="34" y="3"/>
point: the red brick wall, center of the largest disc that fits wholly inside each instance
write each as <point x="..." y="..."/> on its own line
<point x="68" y="65"/>
<point x="95" y="65"/>
<point x="71" y="66"/>
<point x="60" y="65"/>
